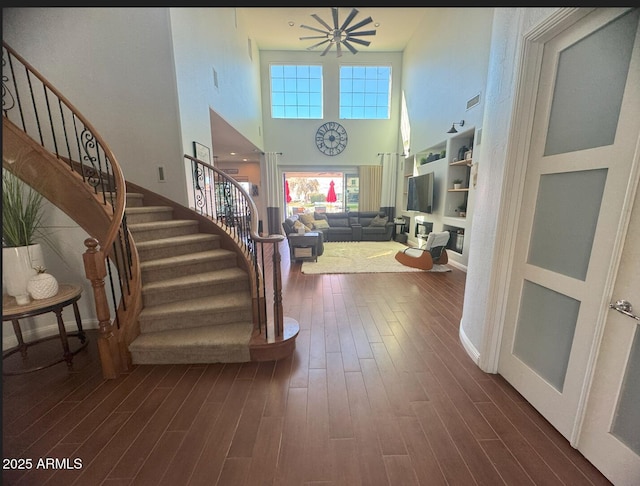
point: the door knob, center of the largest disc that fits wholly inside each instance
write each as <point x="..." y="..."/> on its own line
<point x="624" y="307"/>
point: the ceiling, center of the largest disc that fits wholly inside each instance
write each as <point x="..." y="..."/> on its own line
<point x="270" y="29"/>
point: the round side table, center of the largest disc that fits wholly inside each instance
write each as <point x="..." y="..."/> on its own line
<point x="11" y="311"/>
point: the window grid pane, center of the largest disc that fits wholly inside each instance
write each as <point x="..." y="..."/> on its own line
<point x="296" y="91"/>
<point x="365" y="92"/>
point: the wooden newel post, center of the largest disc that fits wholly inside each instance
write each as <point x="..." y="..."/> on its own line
<point x="96" y="271"/>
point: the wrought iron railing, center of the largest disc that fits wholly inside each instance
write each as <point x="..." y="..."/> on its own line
<point x="222" y="199"/>
<point x="39" y="110"/>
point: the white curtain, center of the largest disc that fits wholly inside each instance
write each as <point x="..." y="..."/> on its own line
<point x="274" y="191"/>
<point x="390" y="163"/>
<point x="272" y="180"/>
<point x="370" y="187"/>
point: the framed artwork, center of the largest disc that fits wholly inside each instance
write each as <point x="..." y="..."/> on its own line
<point x="201" y="152"/>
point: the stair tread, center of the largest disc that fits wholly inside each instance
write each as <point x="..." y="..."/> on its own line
<point x="176" y="240"/>
<point x="218" y="253"/>
<point x="224" y="275"/>
<point x="217" y="303"/>
<point x="148" y="209"/>
<point x="162" y="224"/>
<point x="220" y="335"/>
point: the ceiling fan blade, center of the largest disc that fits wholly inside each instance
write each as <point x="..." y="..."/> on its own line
<point x="318" y="44"/>
<point x="334" y="12"/>
<point x="366" y="21"/>
<point x="326" y="49"/>
<point x="348" y="20"/>
<point x="350" y="47"/>
<point x="313" y="37"/>
<point x="313" y="28"/>
<point x="339" y="49"/>
<point x="358" y="41"/>
<point x="364" y="32"/>
<point x="315" y="16"/>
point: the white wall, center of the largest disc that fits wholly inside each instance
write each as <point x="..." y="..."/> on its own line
<point x="116" y="66"/>
<point x="509" y="26"/>
<point x="208" y="39"/>
<point x="296" y="138"/>
<point x="445" y="64"/>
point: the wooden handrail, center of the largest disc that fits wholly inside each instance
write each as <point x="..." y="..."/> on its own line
<point x="119" y="206"/>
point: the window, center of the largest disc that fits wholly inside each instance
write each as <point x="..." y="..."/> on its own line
<point x="365" y="92"/>
<point x="296" y="91"/>
<point x="309" y="191"/>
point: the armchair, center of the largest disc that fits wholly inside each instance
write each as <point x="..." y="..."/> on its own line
<point x="434" y="252"/>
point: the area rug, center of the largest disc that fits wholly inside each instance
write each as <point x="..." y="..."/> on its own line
<point x="360" y="257"/>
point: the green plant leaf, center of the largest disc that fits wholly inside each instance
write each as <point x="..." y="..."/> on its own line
<point x="21" y="211"/>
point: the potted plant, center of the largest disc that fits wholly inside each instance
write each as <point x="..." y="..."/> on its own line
<point x="457" y="183"/>
<point x="22" y="215"/>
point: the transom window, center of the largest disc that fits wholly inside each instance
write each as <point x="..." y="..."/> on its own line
<point x="296" y="91"/>
<point x="365" y="92"/>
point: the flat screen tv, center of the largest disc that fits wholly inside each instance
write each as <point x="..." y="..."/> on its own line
<point x="420" y="193"/>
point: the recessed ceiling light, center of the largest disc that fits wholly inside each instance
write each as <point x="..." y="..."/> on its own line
<point x="232" y="153"/>
<point x="377" y="24"/>
<point x="291" y="23"/>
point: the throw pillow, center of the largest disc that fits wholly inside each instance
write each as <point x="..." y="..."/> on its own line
<point x="379" y="221"/>
<point x="297" y="225"/>
<point x="320" y="224"/>
<point x="307" y="219"/>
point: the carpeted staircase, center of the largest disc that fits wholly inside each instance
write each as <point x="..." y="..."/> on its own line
<point x="197" y="302"/>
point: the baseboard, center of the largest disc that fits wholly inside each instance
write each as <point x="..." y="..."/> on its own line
<point x="471" y="350"/>
<point x="11" y="341"/>
<point x="453" y="263"/>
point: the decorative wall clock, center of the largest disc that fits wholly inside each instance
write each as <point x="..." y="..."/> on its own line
<point x="331" y="138"/>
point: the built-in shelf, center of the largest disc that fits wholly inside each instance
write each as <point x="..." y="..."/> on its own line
<point x="450" y="202"/>
<point x="456" y="221"/>
<point x="468" y="163"/>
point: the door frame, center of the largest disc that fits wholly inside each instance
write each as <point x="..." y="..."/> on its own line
<point x="517" y="150"/>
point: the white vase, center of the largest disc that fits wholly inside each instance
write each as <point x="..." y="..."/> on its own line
<point x="18" y="266"/>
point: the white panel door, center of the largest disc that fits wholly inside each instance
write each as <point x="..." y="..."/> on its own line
<point x="582" y="153"/>
<point x="610" y="436"/>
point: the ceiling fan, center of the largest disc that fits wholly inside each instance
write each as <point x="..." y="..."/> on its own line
<point x="339" y="35"/>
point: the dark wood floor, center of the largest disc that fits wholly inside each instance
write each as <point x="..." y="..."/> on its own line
<point x="378" y="392"/>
